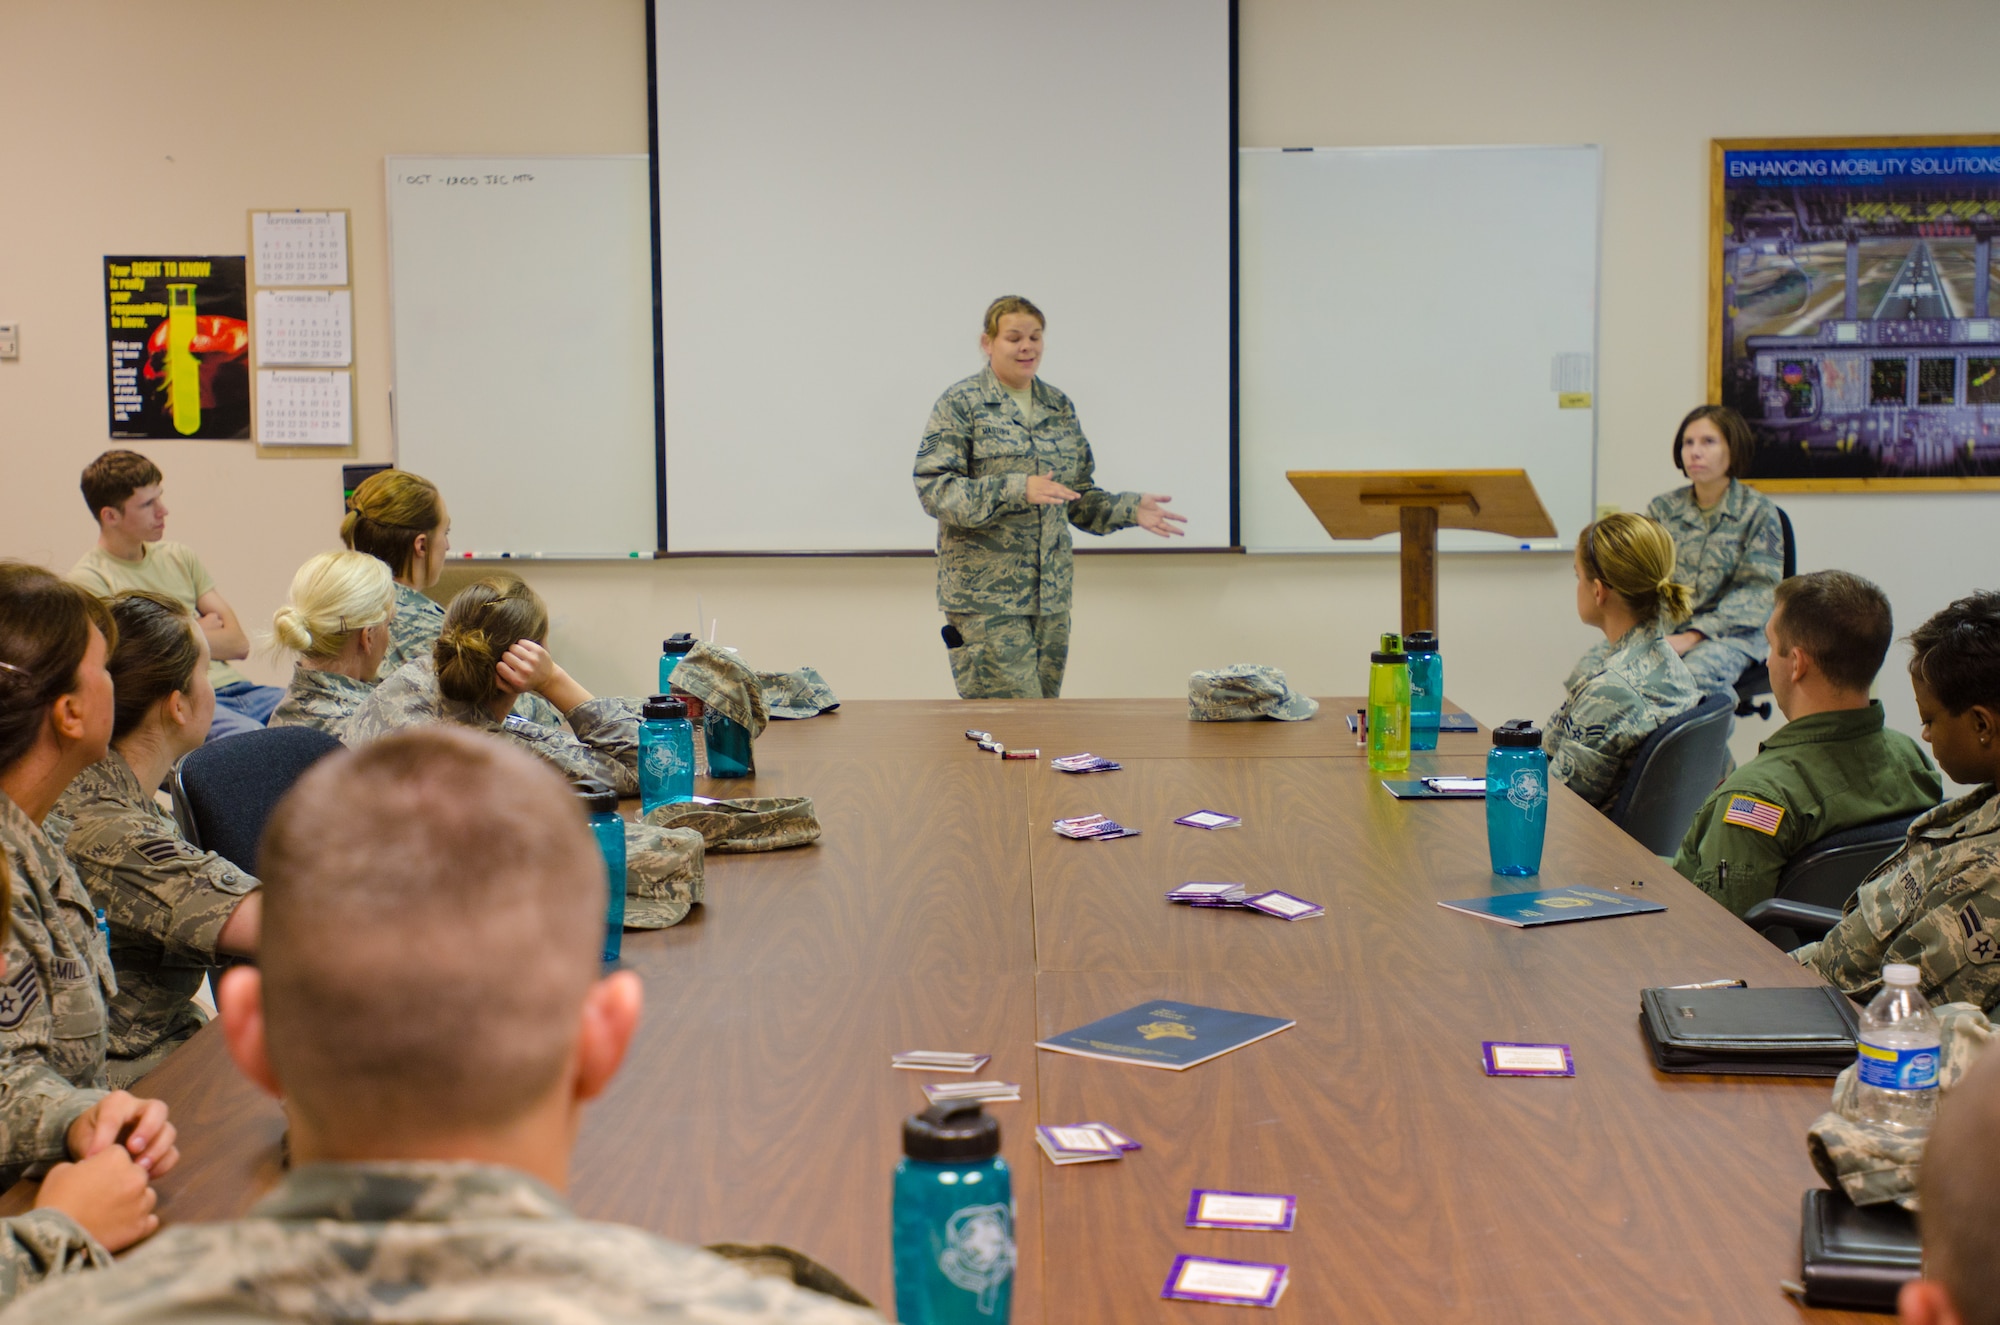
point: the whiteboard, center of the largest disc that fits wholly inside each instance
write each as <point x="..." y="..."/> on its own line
<point x="522" y="316"/>
<point x="845" y="187"/>
<point x="1417" y="308"/>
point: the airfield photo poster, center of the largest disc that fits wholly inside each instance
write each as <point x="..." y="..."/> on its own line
<point x="1852" y="317"/>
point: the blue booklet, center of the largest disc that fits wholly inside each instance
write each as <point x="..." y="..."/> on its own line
<point x="1174" y="1036"/>
<point x="1555" y="907"/>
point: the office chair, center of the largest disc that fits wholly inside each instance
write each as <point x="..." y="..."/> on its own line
<point x="1756" y="679"/>
<point x="1672" y="774"/>
<point x="1816" y="883"/>
<point x="224" y="792"/>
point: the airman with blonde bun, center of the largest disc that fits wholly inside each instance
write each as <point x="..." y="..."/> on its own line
<point x="1625" y="688"/>
<point x="339" y="621"/>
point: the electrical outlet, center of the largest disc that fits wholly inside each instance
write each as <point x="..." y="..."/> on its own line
<point x="10" y="340"/>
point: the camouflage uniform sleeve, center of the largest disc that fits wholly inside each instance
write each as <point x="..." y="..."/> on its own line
<point x="1096" y="511"/>
<point x="37" y="1107"/>
<point x="41" y="1245"/>
<point x="1586" y="739"/>
<point x="1850" y="957"/>
<point x="605" y="745"/>
<point x="1755" y="858"/>
<point x="943" y="473"/>
<point x="161" y="889"/>
<point x="1749" y="593"/>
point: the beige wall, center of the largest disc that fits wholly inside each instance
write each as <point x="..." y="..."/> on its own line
<point x="104" y="162"/>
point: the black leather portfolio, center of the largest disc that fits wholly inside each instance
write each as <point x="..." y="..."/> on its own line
<point x="1754" y="1032"/>
<point x="1856" y="1257"/>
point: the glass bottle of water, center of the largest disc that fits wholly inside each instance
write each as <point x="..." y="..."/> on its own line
<point x="1896" y="1070"/>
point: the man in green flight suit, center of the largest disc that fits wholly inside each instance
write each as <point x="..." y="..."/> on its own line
<point x="1005" y="470"/>
<point x="1833" y="766"/>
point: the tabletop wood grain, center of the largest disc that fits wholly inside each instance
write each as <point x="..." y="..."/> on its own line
<point x="939" y="911"/>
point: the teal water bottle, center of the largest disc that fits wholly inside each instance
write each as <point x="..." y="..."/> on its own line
<point x="1426" y="688"/>
<point x="600" y="803"/>
<point x="666" y="752"/>
<point x="1389" y="707"/>
<point x="672" y="650"/>
<point x="1517" y="798"/>
<point x="953" y="1220"/>
<point x="728" y="743"/>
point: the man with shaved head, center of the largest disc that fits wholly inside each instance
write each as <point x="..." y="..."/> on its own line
<point x="430" y="1008"/>
<point x="1959" y="1207"/>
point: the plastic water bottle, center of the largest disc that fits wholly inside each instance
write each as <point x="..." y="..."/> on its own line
<point x="672" y="650"/>
<point x="666" y="752"/>
<point x="728" y="743"/>
<point x="1389" y="707"/>
<point x="953" y="1220"/>
<point x="1426" y="688"/>
<point x="1896" y="1070"/>
<point x="600" y="802"/>
<point x="1517" y="798"/>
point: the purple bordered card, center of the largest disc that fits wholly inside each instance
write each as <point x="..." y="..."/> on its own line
<point x="1283" y="905"/>
<point x="1231" y="1283"/>
<point x="1248" y="1210"/>
<point x="1206" y="892"/>
<point x="1210" y="819"/>
<point x="1114" y="1136"/>
<point x="1504" y="1059"/>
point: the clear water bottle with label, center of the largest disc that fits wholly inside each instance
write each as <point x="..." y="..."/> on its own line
<point x="1896" y="1068"/>
<point x="600" y="803"/>
<point x="1426" y="688"/>
<point x="1389" y="706"/>
<point x="953" y="1220"/>
<point x="1517" y="798"/>
<point x="666" y="752"/>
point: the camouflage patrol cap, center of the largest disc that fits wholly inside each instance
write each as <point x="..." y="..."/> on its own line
<point x="798" y="694"/>
<point x="751" y="823"/>
<point x="663" y="875"/>
<point x="722" y="682"/>
<point x="1246" y="690"/>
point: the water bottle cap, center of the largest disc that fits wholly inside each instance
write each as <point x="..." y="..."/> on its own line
<point x="1392" y="659"/>
<point x="1519" y="734"/>
<point x="1896" y="973"/>
<point x="1421" y="641"/>
<point x="597" y="797"/>
<point x="944" y="1133"/>
<point x="681" y="643"/>
<point x="663" y="706"/>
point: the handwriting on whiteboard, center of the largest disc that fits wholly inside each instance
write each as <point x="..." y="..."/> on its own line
<point x="466" y="181"/>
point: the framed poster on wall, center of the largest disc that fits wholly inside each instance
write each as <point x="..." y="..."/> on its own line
<point x="1851" y="310"/>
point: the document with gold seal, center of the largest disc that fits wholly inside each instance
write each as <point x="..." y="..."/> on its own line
<point x="1161" y="1033"/>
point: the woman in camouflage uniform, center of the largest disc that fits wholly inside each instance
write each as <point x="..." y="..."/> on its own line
<point x="339" y="622"/>
<point x="1627" y="686"/>
<point x="56" y="714"/>
<point x="489" y="654"/>
<point x="1729" y="549"/>
<point x="176" y="912"/>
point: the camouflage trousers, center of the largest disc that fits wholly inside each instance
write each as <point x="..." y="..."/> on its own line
<point x="1715" y="666"/>
<point x="1009" y="657"/>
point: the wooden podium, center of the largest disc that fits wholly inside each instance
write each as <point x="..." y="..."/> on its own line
<point x="1367" y="503"/>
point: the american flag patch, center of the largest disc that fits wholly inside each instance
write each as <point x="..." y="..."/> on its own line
<point x="1749" y="812"/>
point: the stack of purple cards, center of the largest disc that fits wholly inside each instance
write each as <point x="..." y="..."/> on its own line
<point x="1210" y="819"/>
<point x="1083" y="1143"/>
<point x="1247" y="1210"/>
<point x="937" y="1060"/>
<point x="1231" y="1283"/>
<point x="1283" y="905"/>
<point x="1094" y="827"/>
<point x="1209" y="894"/>
<point x="971" y="1092"/>
<point x="1083" y="763"/>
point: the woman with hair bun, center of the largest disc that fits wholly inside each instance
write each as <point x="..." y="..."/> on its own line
<point x="489" y="653"/>
<point x="1627" y="687"/>
<point x="176" y="912"/>
<point x="339" y="621"/>
<point x="56" y="713"/>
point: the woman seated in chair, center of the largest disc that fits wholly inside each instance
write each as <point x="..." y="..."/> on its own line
<point x="176" y="912"/>
<point x="1730" y="549"/>
<point x="338" y="622"/>
<point x="1935" y="904"/>
<point x="487" y="656"/>
<point x="1626" y="688"/>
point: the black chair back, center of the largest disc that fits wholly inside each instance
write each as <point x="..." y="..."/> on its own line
<point x="224" y="791"/>
<point x="1672" y="774"/>
<point x="1829" y="871"/>
<point x="1756" y="679"/>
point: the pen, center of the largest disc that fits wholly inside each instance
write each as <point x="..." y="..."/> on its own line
<point x="1714" y="984"/>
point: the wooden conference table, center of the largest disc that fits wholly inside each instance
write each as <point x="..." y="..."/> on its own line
<point x="939" y="911"/>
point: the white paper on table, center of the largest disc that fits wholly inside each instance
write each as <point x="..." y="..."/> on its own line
<point x="304" y="408"/>
<point x="299" y="248"/>
<point x="313" y="327"/>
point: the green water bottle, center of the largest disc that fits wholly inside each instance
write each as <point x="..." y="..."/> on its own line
<point x="1389" y="706"/>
